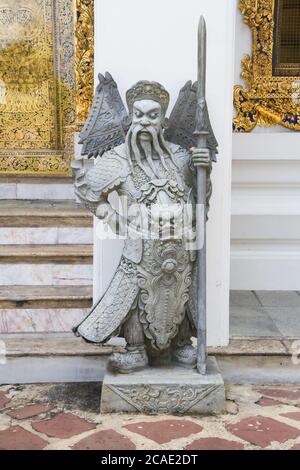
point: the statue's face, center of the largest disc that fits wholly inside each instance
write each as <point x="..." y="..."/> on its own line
<point x="147" y="113"/>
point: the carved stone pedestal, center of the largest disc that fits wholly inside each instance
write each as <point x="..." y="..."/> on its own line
<point x="173" y="390"/>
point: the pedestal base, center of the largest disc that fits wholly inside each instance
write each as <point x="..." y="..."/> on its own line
<point x="172" y="389"/>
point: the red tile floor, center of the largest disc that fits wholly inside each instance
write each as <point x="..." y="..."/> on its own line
<point x="65" y="416"/>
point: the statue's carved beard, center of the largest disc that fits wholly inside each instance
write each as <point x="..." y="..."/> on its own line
<point x="143" y="152"/>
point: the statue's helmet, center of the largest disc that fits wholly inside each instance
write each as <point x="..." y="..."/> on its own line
<point x="145" y="90"/>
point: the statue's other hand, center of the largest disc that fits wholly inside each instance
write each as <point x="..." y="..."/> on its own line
<point x="201" y="157"/>
<point x="104" y="211"/>
<point x="109" y="216"/>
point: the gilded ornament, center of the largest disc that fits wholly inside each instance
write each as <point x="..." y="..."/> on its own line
<point x="84" y="59"/>
<point x="268" y="99"/>
<point x="38" y="65"/>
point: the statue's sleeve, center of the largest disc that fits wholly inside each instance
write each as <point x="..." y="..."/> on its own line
<point x="93" y="186"/>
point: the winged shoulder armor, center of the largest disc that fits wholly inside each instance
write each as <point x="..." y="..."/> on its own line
<point x="182" y="121"/>
<point x="107" y="122"/>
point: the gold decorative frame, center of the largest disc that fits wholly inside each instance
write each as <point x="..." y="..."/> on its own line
<point x="268" y="100"/>
<point x="84" y="59"/>
<point x="67" y="84"/>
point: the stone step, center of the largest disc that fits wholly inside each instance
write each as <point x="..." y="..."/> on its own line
<point x="259" y="360"/>
<point x="37" y="254"/>
<point x="56" y="357"/>
<point x="45" y="235"/>
<point x="40" y="320"/>
<point x="48" y="274"/>
<point x="61" y="357"/>
<point x="66" y="344"/>
<point x="36" y="188"/>
<point x="51" y="344"/>
<point x="43" y="309"/>
<point x="48" y="297"/>
<point x="31" y="213"/>
<point x="254" y="346"/>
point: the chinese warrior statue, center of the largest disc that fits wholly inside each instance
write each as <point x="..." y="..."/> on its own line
<point x="149" y="161"/>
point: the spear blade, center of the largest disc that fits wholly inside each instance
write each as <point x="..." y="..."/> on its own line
<point x="201" y="57"/>
<point x="201" y="128"/>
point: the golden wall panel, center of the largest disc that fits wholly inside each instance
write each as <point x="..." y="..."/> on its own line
<point x="38" y="112"/>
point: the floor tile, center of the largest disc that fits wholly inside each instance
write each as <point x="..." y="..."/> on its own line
<point x="251" y="322"/>
<point x="243" y="298"/>
<point x="279" y="298"/>
<point x="286" y="319"/>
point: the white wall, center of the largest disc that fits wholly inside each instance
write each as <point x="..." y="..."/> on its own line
<point x="265" y="230"/>
<point x="158" y="41"/>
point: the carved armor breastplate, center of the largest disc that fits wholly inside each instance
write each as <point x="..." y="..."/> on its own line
<point x="164" y="273"/>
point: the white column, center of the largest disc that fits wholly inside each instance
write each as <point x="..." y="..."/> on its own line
<point x="158" y="41"/>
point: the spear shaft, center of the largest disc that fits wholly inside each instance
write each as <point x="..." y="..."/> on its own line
<point x="201" y="132"/>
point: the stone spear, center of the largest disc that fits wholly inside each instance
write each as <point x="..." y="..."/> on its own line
<point x="202" y="132"/>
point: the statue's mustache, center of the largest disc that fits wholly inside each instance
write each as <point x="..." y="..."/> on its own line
<point x="157" y="144"/>
<point x="137" y="128"/>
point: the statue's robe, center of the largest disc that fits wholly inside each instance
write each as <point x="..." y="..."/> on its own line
<point x="156" y="278"/>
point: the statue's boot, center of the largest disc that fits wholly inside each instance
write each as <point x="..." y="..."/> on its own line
<point x="135" y="357"/>
<point x="130" y="361"/>
<point x="185" y="356"/>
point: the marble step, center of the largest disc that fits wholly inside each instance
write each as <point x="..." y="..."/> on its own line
<point x="36" y="188"/>
<point x="61" y="357"/>
<point x="44" y="213"/>
<point x="45" y="235"/>
<point x="37" y="254"/>
<point x="40" y="320"/>
<point x="66" y="344"/>
<point x="48" y="297"/>
<point x="53" y="344"/>
<point x="42" y="309"/>
<point x="46" y="274"/>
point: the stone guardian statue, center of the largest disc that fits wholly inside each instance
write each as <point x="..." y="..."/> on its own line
<point x="149" y="161"/>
